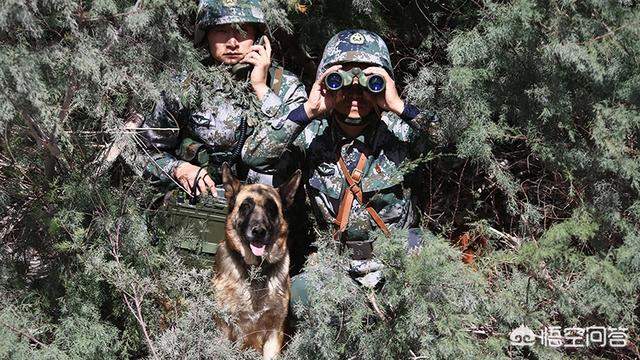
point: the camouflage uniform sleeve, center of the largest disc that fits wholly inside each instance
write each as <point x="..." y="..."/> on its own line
<point x="292" y="95"/>
<point x="273" y="137"/>
<point x="160" y="132"/>
<point x="268" y="144"/>
<point x="417" y="130"/>
<point x="426" y="124"/>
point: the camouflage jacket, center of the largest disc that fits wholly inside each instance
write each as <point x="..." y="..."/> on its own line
<point x="390" y="143"/>
<point x="176" y="132"/>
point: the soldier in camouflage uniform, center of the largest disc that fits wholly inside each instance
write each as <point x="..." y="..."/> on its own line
<point x="350" y="124"/>
<point x="181" y="138"/>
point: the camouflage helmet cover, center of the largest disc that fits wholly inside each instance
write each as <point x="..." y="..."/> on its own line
<point x="220" y="12"/>
<point x="355" y="45"/>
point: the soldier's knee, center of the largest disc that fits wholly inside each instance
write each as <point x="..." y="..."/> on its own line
<point x="415" y="239"/>
<point x="299" y="291"/>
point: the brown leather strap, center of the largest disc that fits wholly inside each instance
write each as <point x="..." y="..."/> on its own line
<point x="343" y="214"/>
<point x="276" y="85"/>
<point x="357" y="191"/>
<point x="344" y="210"/>
<point x="354" y="191"/>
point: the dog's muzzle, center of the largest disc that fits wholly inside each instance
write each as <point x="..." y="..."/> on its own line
<point x="258" y="239"/>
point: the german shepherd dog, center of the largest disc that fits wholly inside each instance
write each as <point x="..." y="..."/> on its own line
<point x="255" y="237"/>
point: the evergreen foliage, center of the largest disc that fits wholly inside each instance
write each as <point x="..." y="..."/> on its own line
<point x="537" y="166"/>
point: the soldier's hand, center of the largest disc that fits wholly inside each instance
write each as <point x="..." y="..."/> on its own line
<point x="260" y="58"/>
<point x="390" y="99"/>
<point x="186" y="174"/>
<point x="320" y="99"/>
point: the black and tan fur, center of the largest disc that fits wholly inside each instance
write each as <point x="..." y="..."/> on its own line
<point x="260" y="303"/>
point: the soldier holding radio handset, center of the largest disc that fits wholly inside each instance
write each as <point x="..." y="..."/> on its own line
<point x="244" y="68"/>
<point x="235" y="33"/>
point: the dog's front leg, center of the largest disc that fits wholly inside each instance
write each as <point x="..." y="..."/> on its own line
<point x="272" y="345"/>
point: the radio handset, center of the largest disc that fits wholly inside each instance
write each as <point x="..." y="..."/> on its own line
<point x="243" y="69"/>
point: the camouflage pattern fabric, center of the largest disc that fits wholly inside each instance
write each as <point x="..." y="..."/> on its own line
<point x="389" y="142"/>
<point x="220" y="12"/>
<point x="355" y="45"/>
<point x="176" y="132"/>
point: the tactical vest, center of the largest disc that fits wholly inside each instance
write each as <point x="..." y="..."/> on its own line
<point x="208" y="214"/>
<point x="197" y="152"/>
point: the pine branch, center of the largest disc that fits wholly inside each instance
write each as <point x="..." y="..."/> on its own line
<point x="72" y="87"/>
<point x="134" y="299"/>
<point x="135" y="8"/>
<point x="114" y="149"/>
<point x="416" y="357"/>
<point x="136" y="310"/>
<point x="45" y="141"/>
<point x="508" y="239"/>
<point x="25" y="334"/>
<point x="9" y="222"/>
<point x="37" y="134"/>
<point x="376" y="308"/>
<point x="610" y="32"/>
<point x="433" y="26"/>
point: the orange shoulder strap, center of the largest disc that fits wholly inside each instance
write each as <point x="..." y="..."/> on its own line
<point x="354" y="191"/>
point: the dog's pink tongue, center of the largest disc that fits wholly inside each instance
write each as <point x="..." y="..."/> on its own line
<point x="257" y="249"/>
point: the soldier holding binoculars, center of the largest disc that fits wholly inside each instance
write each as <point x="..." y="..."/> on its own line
<point x="362" y="133"/>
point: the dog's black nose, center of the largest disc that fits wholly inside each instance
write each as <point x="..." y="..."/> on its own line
<point x="258" y="231"/>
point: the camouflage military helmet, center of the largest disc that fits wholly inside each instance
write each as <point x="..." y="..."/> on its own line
<point x="356" y="45"/>
<point x="220" y="12"/>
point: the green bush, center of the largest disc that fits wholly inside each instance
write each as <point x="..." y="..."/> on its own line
<point x="536" y="161"/>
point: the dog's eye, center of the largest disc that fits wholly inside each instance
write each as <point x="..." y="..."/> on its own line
<point x="246" y="206"/>
<point x="272" y="208"/>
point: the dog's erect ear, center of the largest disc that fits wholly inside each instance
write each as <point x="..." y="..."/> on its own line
<point x="288" y="190"/>
<point x="231" y="184"/>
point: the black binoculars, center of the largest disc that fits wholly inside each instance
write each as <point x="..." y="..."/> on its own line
<point x="334" y="81"/>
